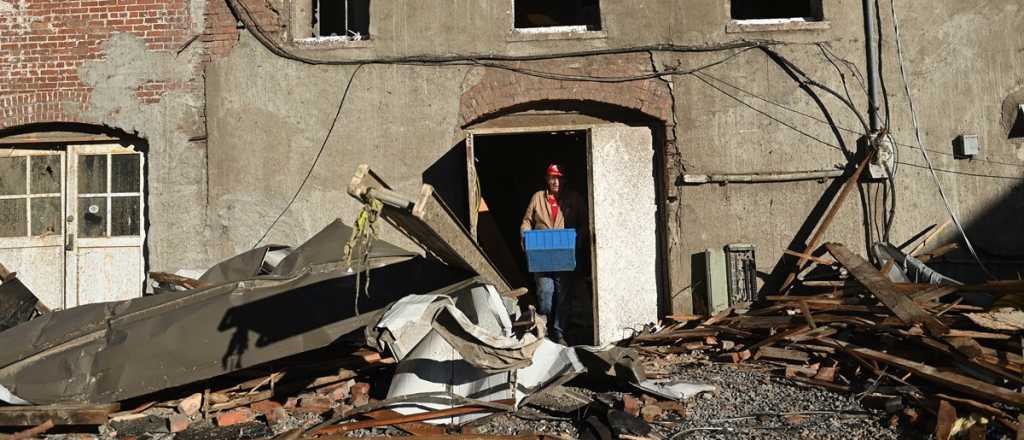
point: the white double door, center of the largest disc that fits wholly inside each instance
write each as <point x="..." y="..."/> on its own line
<point x="71" y="222"/>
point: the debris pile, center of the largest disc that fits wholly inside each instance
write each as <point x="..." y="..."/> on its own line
<point x="914" y="350"/>
<point x="287" y="343"/>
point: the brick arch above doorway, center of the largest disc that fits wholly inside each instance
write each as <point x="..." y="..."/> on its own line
<point x="491" y="91"/>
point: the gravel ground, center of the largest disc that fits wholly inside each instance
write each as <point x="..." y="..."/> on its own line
<point x="745" y="406"/>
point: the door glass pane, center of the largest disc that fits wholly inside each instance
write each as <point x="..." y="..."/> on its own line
<point x="46" y="216"/>
<point x="92" y="217"/>
<point x="12" y="176"/>
<point x="45" y="174"/>
<point x="124" y="173"/>
<point x="124" y="216"/>
<point x="12" y="218"/>
<point x="92" y="174"/>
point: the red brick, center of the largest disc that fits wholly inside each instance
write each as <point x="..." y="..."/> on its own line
<point x="177" y="423"/>
<point x="234" y="417"/>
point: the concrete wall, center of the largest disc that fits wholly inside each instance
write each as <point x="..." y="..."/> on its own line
<point x="268" y="116"/>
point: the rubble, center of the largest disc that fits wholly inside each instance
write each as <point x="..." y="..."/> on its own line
<point x="292" y="344"/>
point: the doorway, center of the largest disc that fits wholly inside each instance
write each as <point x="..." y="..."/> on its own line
<point x="510" y="169"/>
<point x="612" y="166"/>
<point x="72" y="221"/>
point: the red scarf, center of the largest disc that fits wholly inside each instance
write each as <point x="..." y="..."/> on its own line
<point x="553" y="204"/>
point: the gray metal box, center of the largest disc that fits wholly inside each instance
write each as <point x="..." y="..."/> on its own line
<point x="716" y="280"/>
<point x="741" y="264"/>
<point x="966" y="146"/>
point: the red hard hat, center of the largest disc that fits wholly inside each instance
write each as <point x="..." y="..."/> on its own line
<point x="553" y="170"/>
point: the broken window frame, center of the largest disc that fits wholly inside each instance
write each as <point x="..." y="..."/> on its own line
<point x="817" y="21"/>
<point x="558" y="31"/>
<point x="303" y="28"/>
<point x="28" y="239"/>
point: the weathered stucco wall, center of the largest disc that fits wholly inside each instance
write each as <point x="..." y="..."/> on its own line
<point x="133" y="67"/>
<point x="268" y="117"/>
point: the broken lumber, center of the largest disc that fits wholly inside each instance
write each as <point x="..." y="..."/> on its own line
<point x="819" y="232"/>
<point x="429" y="415"/>
<point x="900" y="304"/>
<point x="429" y="222"/>
<point x="61" y="414"/>
<point x="958" y="382"/>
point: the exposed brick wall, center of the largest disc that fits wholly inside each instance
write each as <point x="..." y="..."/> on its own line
<point x="499" y="90"/>
<point x="43" y="43"/>
<point x="221" y="24"/>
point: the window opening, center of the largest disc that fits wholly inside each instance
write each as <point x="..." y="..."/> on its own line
<point x="789" y="10"/>
<point x="342" y="19"/>
<point x="109" y="195"/>
<point x="567" y="15"/>
<point x="30" y="195"/>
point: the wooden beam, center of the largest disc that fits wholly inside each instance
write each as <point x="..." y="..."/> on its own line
<point x="899" y="303"/>
<point x="61" y="414"/>
<point x="431" y="224"/>
<point x="819" y="232"/>
<point x="958" y="382"/>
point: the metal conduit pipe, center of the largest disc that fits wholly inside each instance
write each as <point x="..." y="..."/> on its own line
<point x="870" y="46"/>
<point x="762" y="177"/>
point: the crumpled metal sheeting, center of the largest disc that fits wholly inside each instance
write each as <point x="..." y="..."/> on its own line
<point x="460" y="341"/>
<point x="109" y="352"/>
<point x="486" y="341"/>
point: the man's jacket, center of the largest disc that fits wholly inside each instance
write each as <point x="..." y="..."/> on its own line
<point x="571" y="212"/>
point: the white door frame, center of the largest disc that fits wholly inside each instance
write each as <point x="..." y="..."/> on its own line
<point x="75" y="243"/>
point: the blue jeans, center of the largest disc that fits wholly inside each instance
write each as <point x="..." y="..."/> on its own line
<point x="554" y="290"/>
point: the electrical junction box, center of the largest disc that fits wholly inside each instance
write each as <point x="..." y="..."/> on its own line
<point x="885" y="156"/>
<point x="716" y="280"/>
<point x="966" y="146"/>
<point x="741" y="264"/>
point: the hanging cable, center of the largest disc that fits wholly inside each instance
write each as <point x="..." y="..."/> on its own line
<point x="316" y="159"/>
<point x="920" y="143"/>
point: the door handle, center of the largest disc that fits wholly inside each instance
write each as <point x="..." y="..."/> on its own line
<point x="69" y="245"/>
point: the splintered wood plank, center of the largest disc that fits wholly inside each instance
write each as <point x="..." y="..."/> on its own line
<point x="63" y="414"/>
<point x="782" y="354"/>
<point x="954" y="381"/>
<point x="899" y="303"/>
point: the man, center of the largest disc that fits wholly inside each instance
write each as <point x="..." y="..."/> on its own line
<point x="555" y="208"/>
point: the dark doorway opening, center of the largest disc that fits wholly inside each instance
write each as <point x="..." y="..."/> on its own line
<point x="511" y="169"/>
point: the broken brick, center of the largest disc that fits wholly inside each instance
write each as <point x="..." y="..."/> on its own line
<point x="631" y="405"/>
<point x="190" y="405"/>
<point x="651" y="413"/>
<point x="266" y="407"/>
<point x="177" y="422"/>
<point x="236" y="416"/>
<point x="360" y="392"/>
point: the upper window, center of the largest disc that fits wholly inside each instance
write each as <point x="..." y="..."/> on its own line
<point x="560" y="15"/>
<point x="796" y="10"/>
<point x="341" y="19"/>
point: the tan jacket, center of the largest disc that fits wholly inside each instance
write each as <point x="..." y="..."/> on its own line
<point x="571" y="212"/>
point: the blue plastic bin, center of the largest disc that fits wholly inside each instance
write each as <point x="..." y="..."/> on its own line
<point x="550" y="250"/>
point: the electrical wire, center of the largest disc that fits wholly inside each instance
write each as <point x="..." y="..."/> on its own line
<point x="316" y="159"/>
<point x="920" y="143"/>
<point x="245" y="15"/>
<point x="705" y="77"/>
<point x="846" y="129"/>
